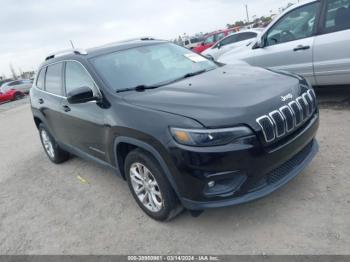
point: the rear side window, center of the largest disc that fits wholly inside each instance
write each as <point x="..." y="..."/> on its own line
<point x="337" y="16"/>
<point x="246" y="36"/>
<point x="53" y="80"/>
<point x="76" y="77"/>
<point x="15" y="83"/>
<point x="229" y="40"/>
<point x="40" y="82"/>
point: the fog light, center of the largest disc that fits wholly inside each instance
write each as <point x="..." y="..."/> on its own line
<point x="211" y="183"/>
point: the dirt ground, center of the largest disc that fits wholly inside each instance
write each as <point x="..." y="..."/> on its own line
<point x="47" y="209"/>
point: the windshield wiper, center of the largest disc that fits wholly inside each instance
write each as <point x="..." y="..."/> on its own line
<point x="138" y="88"/>
<point x="194" y="73"/>
<point x="141" y="88"/>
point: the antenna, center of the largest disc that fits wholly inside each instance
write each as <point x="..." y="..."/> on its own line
<point x="71" y="42"/>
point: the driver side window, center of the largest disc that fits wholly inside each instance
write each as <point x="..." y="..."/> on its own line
<point x="297" y="24"/>
<point x="76" y="77"/>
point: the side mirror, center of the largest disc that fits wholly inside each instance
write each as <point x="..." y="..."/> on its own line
<point x="202" y="44"/>
<point x="210" y="58"/>
<point x="259" y="43"/>
<point x="81" y="95"/>
<point x="218" y="45"/>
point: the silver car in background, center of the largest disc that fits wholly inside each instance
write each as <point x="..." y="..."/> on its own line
<point x="311" y="38"/>
<point x="20" y="85"/>
<point x="232" y="41"/>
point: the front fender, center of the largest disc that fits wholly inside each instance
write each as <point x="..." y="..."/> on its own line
<point x="150" y="149"/>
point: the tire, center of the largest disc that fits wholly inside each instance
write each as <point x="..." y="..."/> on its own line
<point x="51" y="148"/>
<point x="17" y="96"/>
<point x="165" y="203"/>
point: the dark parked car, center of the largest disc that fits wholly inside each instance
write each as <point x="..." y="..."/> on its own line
<point x="183" y="131"/>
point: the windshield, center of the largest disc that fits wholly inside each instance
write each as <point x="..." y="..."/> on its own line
<point x="149" y="65"/>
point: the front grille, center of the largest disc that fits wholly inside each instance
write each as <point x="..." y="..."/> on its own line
<point x="286" y="119"/>
<point x="266" y="124"/>
<point x="279" y="123"/>
<point x="304" y="107"/>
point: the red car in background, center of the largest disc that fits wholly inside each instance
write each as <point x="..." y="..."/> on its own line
<point x="10" y="95"/>
<point x="212" y="38"/>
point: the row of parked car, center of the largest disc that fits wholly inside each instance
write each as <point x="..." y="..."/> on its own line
<point x="14" y="90"/>
<point x="310" y="39"/>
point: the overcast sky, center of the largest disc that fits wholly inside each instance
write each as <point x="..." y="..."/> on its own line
<point x="30" y="29"/>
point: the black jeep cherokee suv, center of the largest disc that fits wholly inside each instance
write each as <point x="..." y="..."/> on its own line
<point x="183" y="131"/>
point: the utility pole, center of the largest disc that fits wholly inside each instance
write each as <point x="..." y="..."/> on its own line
<point x="246" y="10"/>
<point x="13" y="72"/>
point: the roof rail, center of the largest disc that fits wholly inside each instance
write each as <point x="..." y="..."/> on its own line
<point x="66" y="52"/>
<point x="145" y="38"/>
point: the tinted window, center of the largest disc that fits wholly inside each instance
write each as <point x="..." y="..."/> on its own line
<point x="14" y="83"/>
<point x="41" y="79"/>
<point x="337" y="16"/>
<point x="53" y="81"/>
<point x="246" y="36"/>
<point x="229" y="40"/>
<point x="195" y="40"/>
<point x="76" y="76"/>
<point x="297" y="24"/>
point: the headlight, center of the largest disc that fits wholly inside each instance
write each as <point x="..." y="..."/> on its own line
<point x="209" y="137"/>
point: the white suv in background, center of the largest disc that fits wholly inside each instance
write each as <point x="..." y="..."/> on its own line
<point x="231" y="42"/>
<point x="23" y="85"/>
<point x="311" y="39"/>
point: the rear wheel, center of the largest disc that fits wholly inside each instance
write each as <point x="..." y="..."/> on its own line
<point x="52" y="150"/>
<point x="149" y="186"/>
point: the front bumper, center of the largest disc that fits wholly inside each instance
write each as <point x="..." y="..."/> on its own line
<point x="270" y="182"/>
<point x="241" y="173"/>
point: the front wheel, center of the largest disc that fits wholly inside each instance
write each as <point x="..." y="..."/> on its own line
<point x="150" y="187"/>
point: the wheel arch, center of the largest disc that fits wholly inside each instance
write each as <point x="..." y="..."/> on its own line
<point x="37" y="121"/>
<point x="122" y="142"/>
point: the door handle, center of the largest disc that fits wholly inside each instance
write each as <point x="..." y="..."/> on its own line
<point x="301" y="47"/>
<point x="41" y="101"/>
<point x="66" y="108"/>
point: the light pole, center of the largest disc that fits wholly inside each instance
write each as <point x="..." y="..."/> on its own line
<point x="246" y="9"/>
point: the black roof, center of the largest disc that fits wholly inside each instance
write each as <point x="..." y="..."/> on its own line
<point x="104" y="49"/>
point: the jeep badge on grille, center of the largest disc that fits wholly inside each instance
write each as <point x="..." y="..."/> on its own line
<point x="286" y="97"/>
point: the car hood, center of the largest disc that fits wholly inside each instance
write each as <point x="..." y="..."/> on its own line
<point x="226" y="96"/>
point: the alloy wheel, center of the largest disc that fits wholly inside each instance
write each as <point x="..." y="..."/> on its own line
<point x="146" y="187"/>
<point x="47" y="143"/>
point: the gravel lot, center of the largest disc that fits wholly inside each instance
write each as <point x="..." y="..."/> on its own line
<point x="46" y="209"/>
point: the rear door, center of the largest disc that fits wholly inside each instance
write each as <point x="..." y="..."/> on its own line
<point x="289" y="42"/>
<point x="49" y="97"/>
<point x="331" y="49"/>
